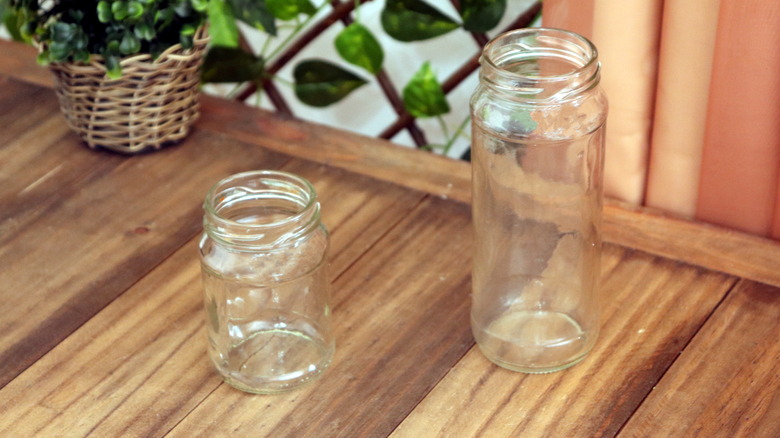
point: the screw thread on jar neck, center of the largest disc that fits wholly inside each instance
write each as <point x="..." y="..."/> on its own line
<point x="540" y="64"/>
<point x="261" y="210"/>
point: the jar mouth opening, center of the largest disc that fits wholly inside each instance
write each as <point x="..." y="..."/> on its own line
<point x="255" y="203"/>
<point x="565" y="55"/>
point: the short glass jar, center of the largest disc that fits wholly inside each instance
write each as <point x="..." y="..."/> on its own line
<point x="538" y="118"/>
<point x="263" y="257"/>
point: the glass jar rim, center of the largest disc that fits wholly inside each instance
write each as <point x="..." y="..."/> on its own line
<point x="306" y="213"/>
<point x="584" y="43"/>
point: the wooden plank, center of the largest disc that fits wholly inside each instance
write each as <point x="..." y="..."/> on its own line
<point x="23" y="107"/>
<point x="139" y="366"/>
<point x="716" y="248"/>
<point x="373" y="157"/>
<point x="401" y="321"/>
<point x="726" y="383"/>
<point x="652" y="307"/>
<point x="357" y="210"/>
<point x="18" y="60"/>
<point x="79" y="227"/>
<point x="150" y="337"/>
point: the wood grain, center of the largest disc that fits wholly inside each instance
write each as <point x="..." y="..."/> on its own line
<point x="373" y="157"/>
<point x="79" y="227"/>
<point x="356" y="209"/>
<point x="18" y="60"/>
<point x="652" y="307"/>
<point x="140" y="365"/>
<point x="151" y="336"/>
<point x="401" y="321"/>
<point x="28" y="105"/>
<point x="726" y="383"/>
<point x="709" y="246"/>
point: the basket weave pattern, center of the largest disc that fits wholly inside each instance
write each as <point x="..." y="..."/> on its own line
<point x="154" y="102"/>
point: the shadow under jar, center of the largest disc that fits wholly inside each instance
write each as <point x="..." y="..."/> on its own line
<point x="263" y="257"/>
<point x="538" y="118"/>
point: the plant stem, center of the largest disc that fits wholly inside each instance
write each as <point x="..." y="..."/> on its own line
<point x="296" y="31"/>
<point x="230" y="94"/>
<point x="457" y="134"/>
<point x="281" y="80"/>
<point x="266" y="46"/>
<point x="357" y="10"/>
<point x="443" y="125"/>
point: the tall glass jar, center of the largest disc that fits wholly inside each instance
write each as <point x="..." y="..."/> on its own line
<point x="538" y="118"/>
<point x="263" y="256"/>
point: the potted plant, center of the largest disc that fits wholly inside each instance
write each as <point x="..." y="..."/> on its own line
<point x="126" y="72"/>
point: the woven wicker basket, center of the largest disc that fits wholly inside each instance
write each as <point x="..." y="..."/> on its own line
<point x="154" y="102"/>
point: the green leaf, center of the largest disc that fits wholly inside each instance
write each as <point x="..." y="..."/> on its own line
<point x="164" y="17"/>
<point x="135" y="10"/>
<point x="320" y="83"/>
<point x="228" y="64"/>
<point x="186" y="41"/>
<point x="289" y="9"/>
<point x="62" y="32"/>
<point x="200" y="5"/>
<point x="44" y="58"/>
<point x="188" y="30"/>
<point x="113" y="46"/>
<point x="144" y="32"/>
<point x="254" y="13"/>
<point x="129" y="44"/>
<point x="13" y="25"/>
<point x="104" y="12"/>
<point x="80" y="40"/>
<point x="27" y="31"/>
<point x="81" y="56"/>
<point x="414" y="20"/>
<point x="223" y="29"/>
<point x="357" y="45"/>
<point x="113" y="68"/>
<point x="59" y="51"/>
<point x="481" y="15"/>
<point x="423" y="96"/>
<point x="76" y="14"/>
<point x="119" y="10"/>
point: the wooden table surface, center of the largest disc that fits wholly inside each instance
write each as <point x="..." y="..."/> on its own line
<point x="102" y="327"/>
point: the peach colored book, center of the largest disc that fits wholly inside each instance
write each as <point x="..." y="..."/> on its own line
<point x="685" y="64"/>
<point x="576" y="16"/>
<point x="627" y="34"/>
<point x="741" y="159"/>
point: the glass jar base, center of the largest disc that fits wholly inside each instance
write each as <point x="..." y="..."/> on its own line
<point x="274" y="361"/>
<point x="533" y="341"/>
<point x="539" y="370"/>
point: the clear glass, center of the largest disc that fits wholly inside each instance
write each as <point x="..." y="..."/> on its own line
<point x="263" y="256"/>
<point x="538" y="120"/>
